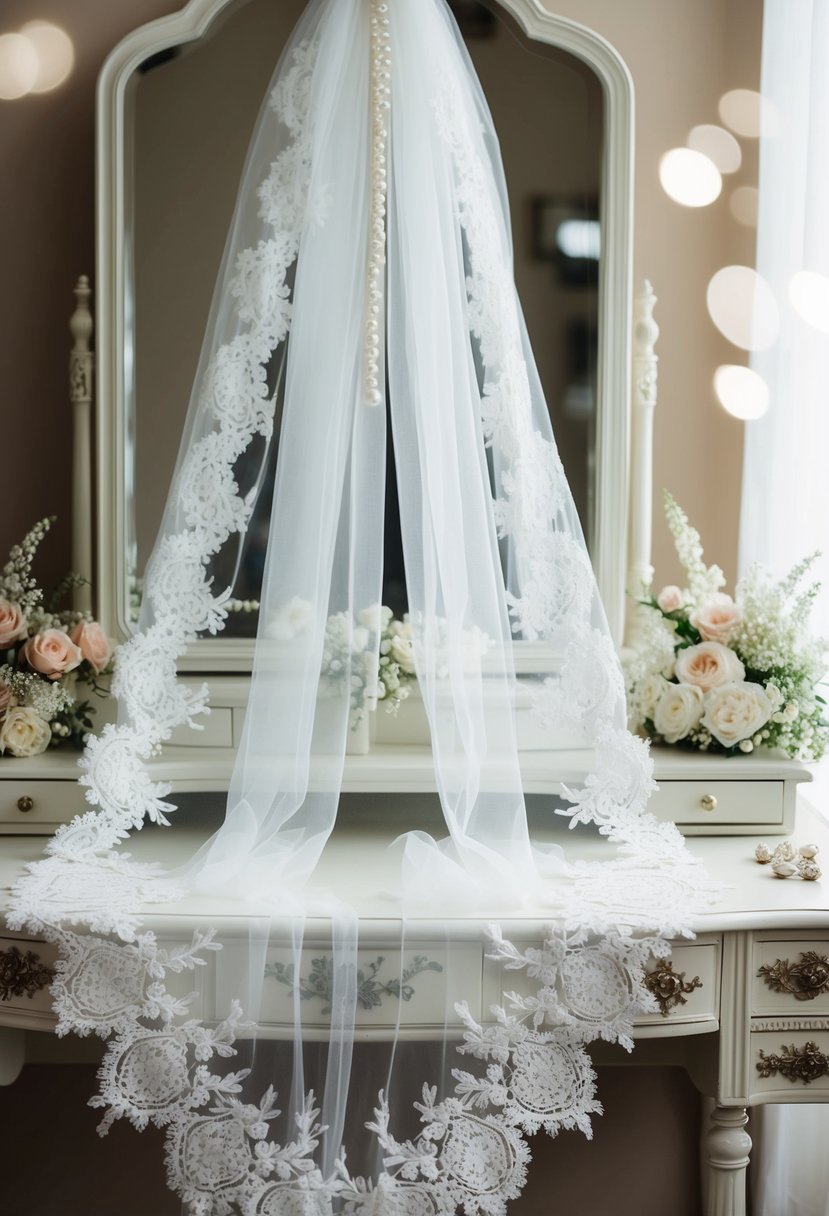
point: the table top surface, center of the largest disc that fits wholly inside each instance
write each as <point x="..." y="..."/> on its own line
<point x="361" y="869"/>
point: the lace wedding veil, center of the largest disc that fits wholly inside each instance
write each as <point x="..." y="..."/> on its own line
<point x="366" y="283"/>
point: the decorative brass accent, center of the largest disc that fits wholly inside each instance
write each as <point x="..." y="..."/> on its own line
<point x="708" y="802"/>
<point x="803" y="980"/>
<point x="805" y="1063"/>
<point x="22" y="974"/>
<point x="25" y="803"/>
<point x="669" y="986"/>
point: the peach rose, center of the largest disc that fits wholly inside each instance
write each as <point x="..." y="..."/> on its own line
<point x="717" y="619"/>
<point x="670" y="598"/>
<point x="678" y="711"/>
<point x="52" y="652"/>
<point x="93" y="644"/>
<point x="12" y="623"/>
<point x="734" y="712"/>
<point x="708" y="665"/>
<point x="6" y="696"/>
<point x="24" y="733"/>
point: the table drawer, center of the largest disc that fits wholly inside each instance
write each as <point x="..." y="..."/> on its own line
<point x="726" y="807"/>
<point x="38" y="807"/>
<point x="790" y="977"/>
<point x="684" y="1000"/>
<point x="25" y="976"/>
<point x="418" y="986"/>
<point x="795" y="1063"/>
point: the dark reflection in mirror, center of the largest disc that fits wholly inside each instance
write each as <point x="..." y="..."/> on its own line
<point x="192" y="113"/>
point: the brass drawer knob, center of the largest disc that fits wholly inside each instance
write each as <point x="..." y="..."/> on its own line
<point x="708" y="802"/>
<point x="804" y="1064"/>
<point x="670" y="987"/>
<point x="25" y="803"/>
<point x="804" y="980"/>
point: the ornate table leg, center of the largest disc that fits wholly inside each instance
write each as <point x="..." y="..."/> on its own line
<point x="728" y="1146"/>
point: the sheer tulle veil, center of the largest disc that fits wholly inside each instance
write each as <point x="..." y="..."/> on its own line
<point x="366" y="283"/>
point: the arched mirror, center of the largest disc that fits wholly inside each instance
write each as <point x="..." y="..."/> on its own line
<point x="178" y="101"/>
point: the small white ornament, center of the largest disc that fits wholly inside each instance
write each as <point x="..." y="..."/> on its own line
<point x="762" y="853"/>
<point x="784" y="852"/>
<point x="808" y="870"/>
<point x="783" y="869"/>
<point x="809" y="851"/>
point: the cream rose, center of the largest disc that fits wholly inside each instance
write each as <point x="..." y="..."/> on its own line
<point x="375" y="618"/>
<point x="402" y="652"/>
<point x="93" y="644"/>
<point x="12" y="623"/>
<point x="717" y="619"/>
<point x="708" y="665"/>
<point x="736" y="711"/>
<point x="678" y="711"/>
<point x="670" y="598"/>
<point x="24" y="733"/>
<point x="52" y="652"/>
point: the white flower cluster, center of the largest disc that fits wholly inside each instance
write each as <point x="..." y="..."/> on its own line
<point x="729" y="675"/>
<point x="375" y="653"/>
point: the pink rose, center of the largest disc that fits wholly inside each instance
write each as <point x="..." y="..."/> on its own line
<point x="52" y="652"/>
<point x="670" y="598"/>
<point x="6" y="697"/>
<point x="12" y="623"/>
<point x="717" y="619"/>
<point x="93" y="643"/>
<point x="708" y="665"/>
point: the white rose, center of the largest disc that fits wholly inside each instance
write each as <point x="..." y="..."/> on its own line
<point x="402" y="653"/>
<point x="670" y="598"/>
<point x="708" y="665"/>
<point x="717" y="618"/>
<point x="288" y="620"/>
<point x="371" y="618"/>
<point x="24" y="733"/>
<point x="678" y="711"/>
<point x="736" y="711"/>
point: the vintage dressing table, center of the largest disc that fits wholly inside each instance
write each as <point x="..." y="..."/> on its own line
<point x="745" y="1006"/>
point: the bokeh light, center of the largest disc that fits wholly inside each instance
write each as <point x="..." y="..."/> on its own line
<point x="746" y="112"/>
<point x="809" y="295"/>
<point x="718" y="145"/>
<point x="18" y="66"/>
<point x="741" y="391"/>
<point x="689" y="177"/>
<point x="55" y="54"/>
<point x="743" y="307"/>
<point x="743" y="203"/>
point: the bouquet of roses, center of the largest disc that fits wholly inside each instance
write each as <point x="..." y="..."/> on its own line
<point x="44" y="653"/>
<point x="727" y="675"/>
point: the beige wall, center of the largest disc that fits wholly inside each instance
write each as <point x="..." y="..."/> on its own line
<point x="683" y="55"/>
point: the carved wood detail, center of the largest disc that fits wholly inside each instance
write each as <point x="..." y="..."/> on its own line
<point x="670" y="987"/>
<point x="22" y="974"/>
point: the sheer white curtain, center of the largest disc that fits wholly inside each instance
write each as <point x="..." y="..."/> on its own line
<point x="785" y="508"/>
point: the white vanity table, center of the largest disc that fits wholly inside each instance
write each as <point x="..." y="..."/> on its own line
<point x="746" y="1003"/>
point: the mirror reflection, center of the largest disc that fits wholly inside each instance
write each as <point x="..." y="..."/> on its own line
<point x="190" y="112"/>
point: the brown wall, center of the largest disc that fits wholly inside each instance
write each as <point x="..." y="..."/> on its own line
<point x="47" y="218"/>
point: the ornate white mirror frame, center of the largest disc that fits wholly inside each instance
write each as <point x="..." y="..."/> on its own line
<point x="114" y="348"/>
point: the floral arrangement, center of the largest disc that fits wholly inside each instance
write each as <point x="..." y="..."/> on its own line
<point x="45" y="653"/>
<point x="374" y="650"/>
<point x="727" y="675"/>
<point x="377" y="675"/>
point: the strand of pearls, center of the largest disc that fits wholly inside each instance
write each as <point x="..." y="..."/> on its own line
<point x="380" y="101"/>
